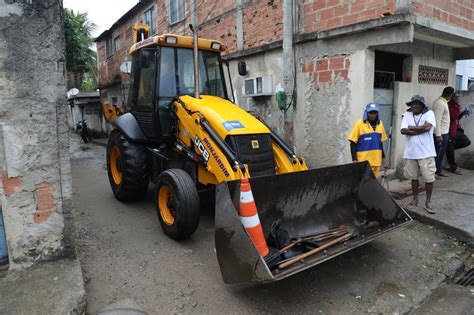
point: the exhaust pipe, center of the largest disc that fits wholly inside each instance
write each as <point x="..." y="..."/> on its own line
<point x="196" y="61"/>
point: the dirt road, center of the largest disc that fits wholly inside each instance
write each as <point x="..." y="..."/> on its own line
<point x="124" y="254"/>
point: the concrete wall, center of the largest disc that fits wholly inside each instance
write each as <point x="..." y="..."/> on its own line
<point x="421" y="53"/>
<point x="332" y="96"/>
<point x="267" y="63"/>
<point x="35" y="187"/>
<point x="465" y="157"/>
<point x="94" y="118"/>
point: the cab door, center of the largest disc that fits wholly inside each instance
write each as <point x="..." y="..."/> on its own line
<point x="166" y="93"/>
<point x="142" y="90"/>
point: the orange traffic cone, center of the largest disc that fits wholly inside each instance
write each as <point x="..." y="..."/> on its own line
<point x="249" y="218"/>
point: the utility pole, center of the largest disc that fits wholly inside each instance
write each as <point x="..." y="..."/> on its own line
<point x="288" y="69"/>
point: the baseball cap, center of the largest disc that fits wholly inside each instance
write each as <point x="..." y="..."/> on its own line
<point x="372" y="107"/>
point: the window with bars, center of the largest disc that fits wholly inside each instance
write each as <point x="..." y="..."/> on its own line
<point x="150" y="18"/>
<point x="176" y="11"/>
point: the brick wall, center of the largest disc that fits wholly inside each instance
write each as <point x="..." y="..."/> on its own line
<point x="208" y="10"/>
<point x="263" y="23"/>
<point x="223" y="30"/>
<point x="457" y="12"/>
<point x="109" y="67"/>
<point x="327" y="14"/>
<point x="328" y="69"/>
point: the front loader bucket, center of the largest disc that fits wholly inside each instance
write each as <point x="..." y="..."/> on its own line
<point x="305" y="203"/>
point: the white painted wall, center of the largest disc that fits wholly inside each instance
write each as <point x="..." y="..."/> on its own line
<point x="361" y="86"/>
<point x="465" y="68"/>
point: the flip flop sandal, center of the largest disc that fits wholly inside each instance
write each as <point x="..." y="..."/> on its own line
<point x="429" y="210"/>
<point x="411" y="205"/>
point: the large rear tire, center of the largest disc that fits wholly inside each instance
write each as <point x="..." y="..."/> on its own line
<point x="177" y="204"/>
<point x="127" y="168"/>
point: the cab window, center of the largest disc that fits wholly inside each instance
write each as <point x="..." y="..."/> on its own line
<point x="147" y="79"/>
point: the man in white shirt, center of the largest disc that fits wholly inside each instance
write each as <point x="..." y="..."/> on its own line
<point x="418" y="124"/>
<point x="441" y="131"/>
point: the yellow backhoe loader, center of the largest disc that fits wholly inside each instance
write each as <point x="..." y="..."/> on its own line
<point x="186" y="136"/>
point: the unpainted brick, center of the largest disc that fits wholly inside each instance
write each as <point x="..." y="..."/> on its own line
<point x="322" y="65"/>
<point x="325" y="76"/>
<point x="45" y="203"/>
<point x="341" y="74"/>
<point x="10" y="185"/>
<point x="336" y="63"/>
<point x="453" y="12"/>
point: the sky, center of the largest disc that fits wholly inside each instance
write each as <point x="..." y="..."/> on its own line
<point x="103" y="13"/>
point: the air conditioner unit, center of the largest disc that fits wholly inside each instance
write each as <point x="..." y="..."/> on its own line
<point x="258" y="86"/>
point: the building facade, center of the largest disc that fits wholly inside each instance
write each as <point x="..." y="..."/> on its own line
<point x="328" y="58"/>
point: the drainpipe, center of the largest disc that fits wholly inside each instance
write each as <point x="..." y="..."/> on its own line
<point x="288" y="68"/>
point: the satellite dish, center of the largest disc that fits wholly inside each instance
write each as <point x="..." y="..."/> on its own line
<point x="72" y="92"/>
<point x="126" y="67"/>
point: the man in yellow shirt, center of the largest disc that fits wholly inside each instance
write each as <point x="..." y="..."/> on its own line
<point x="367" y="137"/>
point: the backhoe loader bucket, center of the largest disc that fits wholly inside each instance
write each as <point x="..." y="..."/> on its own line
<point x="304" y="204"/>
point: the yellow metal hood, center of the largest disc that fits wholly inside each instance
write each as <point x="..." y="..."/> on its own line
<point x="225" y="117"/>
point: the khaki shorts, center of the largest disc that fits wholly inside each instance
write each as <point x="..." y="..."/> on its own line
<point x="424" y="168"/>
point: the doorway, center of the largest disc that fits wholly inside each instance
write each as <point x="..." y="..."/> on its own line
<point x="388" y="69"/>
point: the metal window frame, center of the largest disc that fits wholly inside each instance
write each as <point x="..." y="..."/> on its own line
<point x="152" y="21"/>
<point x="178" y="19"/>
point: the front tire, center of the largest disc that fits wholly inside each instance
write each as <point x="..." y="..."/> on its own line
<point x="127" y="168"/>
<point x="177" y="204"/>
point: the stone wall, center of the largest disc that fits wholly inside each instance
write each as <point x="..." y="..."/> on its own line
<point x="35" y="188"/>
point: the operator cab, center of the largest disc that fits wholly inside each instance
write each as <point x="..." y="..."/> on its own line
<point x="162" y="70"/>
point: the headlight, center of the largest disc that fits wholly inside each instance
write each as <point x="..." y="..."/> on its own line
<point x="171" y="40"/>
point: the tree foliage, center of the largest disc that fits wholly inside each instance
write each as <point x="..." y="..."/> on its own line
<point x="80" y="58"/>
<point x="89" y="84"/>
